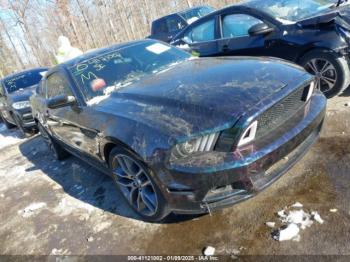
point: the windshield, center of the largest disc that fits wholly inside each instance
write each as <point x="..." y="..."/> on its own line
<point x="22" y="80"/>
<point x="109" y="72"/>
<point x="292" y="10"/>
<point x="194" y="14"/>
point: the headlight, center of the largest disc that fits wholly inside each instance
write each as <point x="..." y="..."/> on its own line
<point x="345" y="33"/>
<point x="21" y="105"/>
<point x="200" y="144"/>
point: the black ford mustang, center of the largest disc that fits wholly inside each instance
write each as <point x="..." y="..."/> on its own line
<point x="178" y="133"/>
<point x="312" y="33"/>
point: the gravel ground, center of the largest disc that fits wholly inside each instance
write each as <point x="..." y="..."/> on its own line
<point x="69" y="208"/>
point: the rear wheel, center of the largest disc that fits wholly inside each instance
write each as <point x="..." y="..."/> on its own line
<point x="332" y="72"/>
<point x="135" y="181"/>
<point x="58" y="152"/>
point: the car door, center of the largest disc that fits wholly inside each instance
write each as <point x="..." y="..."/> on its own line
<point x="235" y="37"/>
<point x="66" y="123"/>
<point x="202" y="37"/>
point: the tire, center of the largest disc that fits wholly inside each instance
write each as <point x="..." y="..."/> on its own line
<point x="57" y="150"/>
<point x="7" y="124"/>
<point x="24" y="132"/>
<point x="337" y="70"/>
<point x="147" y="201"/>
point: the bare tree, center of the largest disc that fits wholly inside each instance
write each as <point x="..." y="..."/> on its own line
<point x="28" y="35"/>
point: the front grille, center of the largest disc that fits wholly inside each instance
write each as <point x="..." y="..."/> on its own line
<point x="282" y="111"/>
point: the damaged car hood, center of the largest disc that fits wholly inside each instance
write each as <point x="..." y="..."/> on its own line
<point x="339" y="15"/>
<point x="201" y="94"/>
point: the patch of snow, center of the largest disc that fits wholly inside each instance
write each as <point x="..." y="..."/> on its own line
<point x="271" y="224"/>
<point x="56" y="251"/>
<point x="9" y="137"/>
<point x="289" y="233"/>
<point x="333" y="210"/>
<point x="102" y="226"/>
<point x="184" y="46"/>
<point x="90" y="239"/>
<point x="297" y="205"/>
<point x="69" y="205"/>
<point x="292" y="220"/>
<point x="281" y="213"/>
<point x="298" y="217"/>
<point x="316" y="216"/>
<point x="209" y="251"/>
<point x="30" y="210"/>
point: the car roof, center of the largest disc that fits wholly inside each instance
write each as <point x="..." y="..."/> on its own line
<point x="244" y="5"/>
<point x="25" y="72"/>
<point x="180" y="12"/>
<point x="100" y="51"/>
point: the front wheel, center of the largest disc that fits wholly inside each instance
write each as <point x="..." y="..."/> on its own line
<point x="135" y="181"/>
<point x="7" y="124"/>
<point x="331" y="70"/>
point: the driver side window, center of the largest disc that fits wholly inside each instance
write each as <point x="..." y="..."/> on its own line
<point x="57" y="85"/>
<point x="238" y="25"/>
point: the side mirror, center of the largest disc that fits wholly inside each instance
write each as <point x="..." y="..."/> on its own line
<point x="60" y="101"/>
<point x="260" y="29"/>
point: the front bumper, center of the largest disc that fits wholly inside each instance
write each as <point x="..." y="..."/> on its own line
<point x="25" y="118"/>
<point x="199" y="187"/>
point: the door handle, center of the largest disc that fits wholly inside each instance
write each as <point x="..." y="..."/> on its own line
<point x="225" y="48"/>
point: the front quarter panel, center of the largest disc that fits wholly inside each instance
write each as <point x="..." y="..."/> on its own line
<point x="147" y="142"/>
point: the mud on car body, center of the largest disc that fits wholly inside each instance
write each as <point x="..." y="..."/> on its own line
<point x="314" y="34"/>
<point x="15" y="90"/>
<point x="177" y="133"/>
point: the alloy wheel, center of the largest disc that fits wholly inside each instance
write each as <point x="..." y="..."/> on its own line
<point x="136" y="185"/>
<point x="325" y="72"/>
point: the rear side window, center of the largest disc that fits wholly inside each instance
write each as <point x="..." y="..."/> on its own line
<point x="159" y="27"/>
<point x="202" y="33"/>
<point x="175" y="23"/>
<point x="238" y="25"/>
<point x="168" y="25"/>
<point x="56" y="85"/>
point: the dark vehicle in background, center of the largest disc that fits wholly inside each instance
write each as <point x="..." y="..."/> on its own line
<point x="312" y="33"/>
<point x="167" y="27"/>
<point x="177" y="133"/>
<point x="15" y="90"/>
